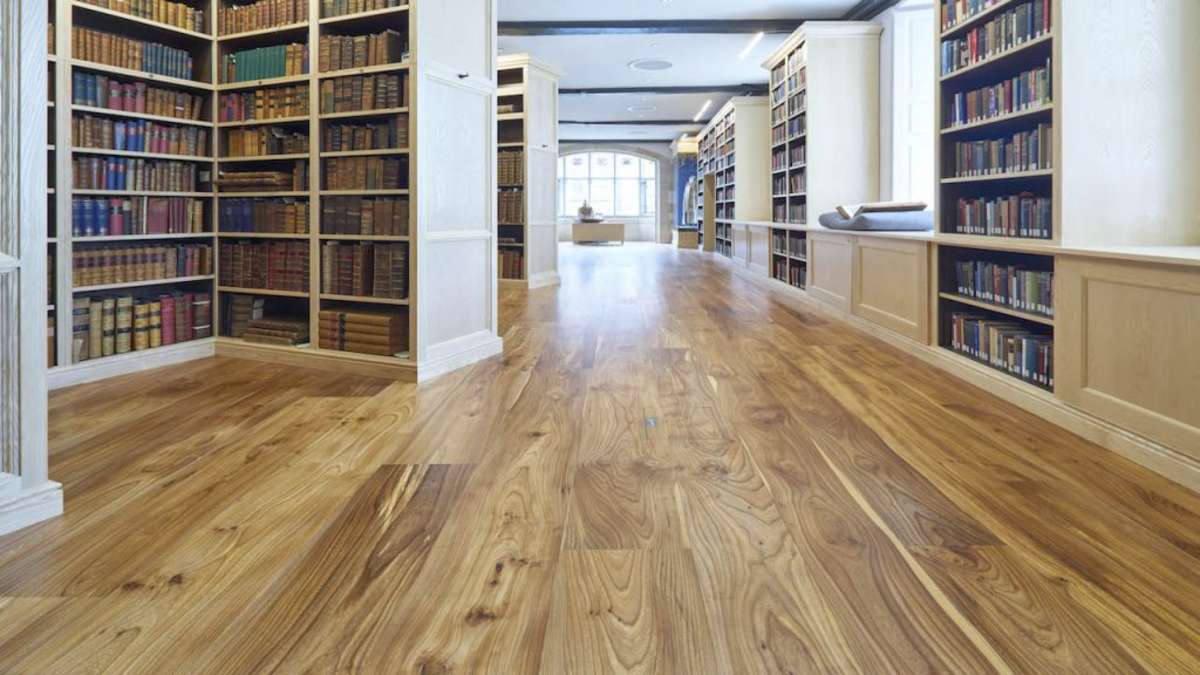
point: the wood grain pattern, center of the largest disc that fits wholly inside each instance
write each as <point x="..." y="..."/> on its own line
<point x="668" y="471"/>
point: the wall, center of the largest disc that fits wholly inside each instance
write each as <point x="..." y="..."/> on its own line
<point x="638" y="229"/>
<point x="907" y="118"/>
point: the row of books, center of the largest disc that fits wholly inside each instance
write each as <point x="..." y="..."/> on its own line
<point x="342" y="7"/>
<point x="779" y="185"/>
<point x="955" y="12"/>
<point x="796" y="126"/>
<point x="797" y="182"/>
<point x="263" y="63"/>
<point x="1005" y="344"/>
<point x="386" y="216"/>
<point x="101" y="91"/>
<point x="136" y="215"/>
<point x="260" y="141"/>
<point x="1022" y="151"/>
<point x="51" y="347"/>
<point x="1023" y="215"/>
<point x="363" y="92"/>
<point x="273" y="265"/>
<point x="269" y="215"/>
<point x="798" y="154"/>
<point x="797" y="213"/>
<point x="123" y="173"/>
<point x="1028" y="89"/>
<point x="1012" y="286"/>
<point x="339" y="52"/>
<point x="1007" y="30"/>
<point x="389" y="134"/>
<point x="260" y="15"/>
<point x="122" y="52"/>
<point x="784" y="242"/>
<point x="366" y="173"/>
<point x="171" y="13"/>
<point x="791" y="273"/>
<point x="88" y="131"/>
<point x="779" y="135"/>
<point x="119" y="264"/>
<point x="364" y="269"/>
<point x="294" y="180"/>
<point x="511" y="167"/>
<point x="511" y="207"/>
<point x="264" y="104"/>
<point x="779" y="160"/>
<point x="798" y="103"/>
<point x="104" y="325"/>
<point x="364" y="331"/>
<point x="512" y="263"/>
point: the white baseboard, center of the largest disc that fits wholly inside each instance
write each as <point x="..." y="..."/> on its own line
<point x="32" y="505"/>
<point x="543" y="279"/>
<point x="132" y="362"/>
<point x="453" y="354"/>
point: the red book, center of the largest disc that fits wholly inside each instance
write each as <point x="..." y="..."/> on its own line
<point x="168" y="319"/>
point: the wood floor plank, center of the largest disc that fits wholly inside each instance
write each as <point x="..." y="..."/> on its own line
<point x="626" y="505"/>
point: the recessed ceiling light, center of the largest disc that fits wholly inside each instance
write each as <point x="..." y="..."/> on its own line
<point x="651" y="64"/>
<point x="753" y="42"/>
<point x="642" y="108"/>
<point x="703" y="109"/>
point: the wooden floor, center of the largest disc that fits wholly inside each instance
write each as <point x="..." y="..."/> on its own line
<point x="669" y="471"/>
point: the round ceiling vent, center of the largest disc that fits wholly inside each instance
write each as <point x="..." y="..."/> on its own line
<point x="642" y="108"/>
<point x="651" y="64"/>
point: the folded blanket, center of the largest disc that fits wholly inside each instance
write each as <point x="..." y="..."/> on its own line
<point x="902" y="221"/>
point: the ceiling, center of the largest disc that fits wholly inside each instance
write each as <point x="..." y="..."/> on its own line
<point x="600" y="59"/>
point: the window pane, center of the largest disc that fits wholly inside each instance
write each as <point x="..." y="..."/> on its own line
<point x="627" y="166"/>
<point x="560" y="197"/>
<point x="649" y="197"/>
<point x="627" y="197"/>
<point x="602" y="196"/>
<point x="575" y="194"/>
<point x="602" y="165"/>
<point x="649" y="168"/>
<point x="577" y="165"/>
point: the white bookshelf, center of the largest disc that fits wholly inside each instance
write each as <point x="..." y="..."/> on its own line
<point x="733" y="150"/>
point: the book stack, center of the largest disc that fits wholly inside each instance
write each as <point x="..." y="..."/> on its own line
<point x="363" y="92"/>
<point x="392" y="134"/>
<point x="239" y="310"/>
<point x="101" y="91"/>
<point x="136" y="215"/>
<point x="1022" y="151"/>
<point x="365" y="215"/>
<point x="511" y="167"/>
<point x="364" y="331"/>
<point x="163" y="11"/>
<point x="261" y="141"/>
<point x="797" y="183"/>
<point x="1006" y="345"/>
<point x="295" y="180"/>
<point x="339" y="52"/>
<point x="264" y="63"/>
<point x="341" y="7"/>
<point x="1007" y="30"/>
<point x="1026" y="290"/>
<point x="390" y="271"/>
<point x="347" y="268"/>
<point x="137" y="136"/>
<point x="97" y="265"/>
<point x="276" y="331"/>
<point x="1024" y="215"/>
<point x="511" y="207"/>
<point x="123" y="173"/>
<point x="104" y="325"/>
<point x="264" y="104"/>
<point x="1025" y="90"/>
<point x="366" y="173"/>
<point x="512" y="263"/>
<point x="122" y="52"/>
<point x="260" y="15"/>
<point x="274" y="215"/>
<point x="269" y="265"/>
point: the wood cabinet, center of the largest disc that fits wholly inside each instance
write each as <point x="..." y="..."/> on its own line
<point x="830" y="257"/>
<point x="890" y="284"/>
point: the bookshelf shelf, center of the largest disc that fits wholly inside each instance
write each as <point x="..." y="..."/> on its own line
<point x="140" y="23"/>
<point x="1012" y="175"/>
<point x="366" y="153"/>
<point x="365" y="70"/>
<point x="262" y="291"/>
<point x="365" y="237"/>
<point x="141" y="237"/>
<point x="92" y="110"/>
<point x="510" y="117"/>
<point x="365" y="299"/>
<point x="357" y="16"/>
<point x="139" y="193"/>
<point x="510" y="90"/>
<point x="968" y="22"/>
<point x="139" y="155"/>
<point x="276" y="193"/>
<point x="1000" y="119"/>
<point x="992" y="307"/>
<point x="264" y="158"/>
<point x="285" y="30"/>
<point x="264" y="122"/>
<point x="263" y="235"/>
<point x="144" y="282"/>
<point x="353" y="193"/>
<point x="377" y="112"/>
<point x="998" y="58"/>
<point x="256" y="84"/>
<point x="1015" y="244"/>
<point x="194" y="85"/>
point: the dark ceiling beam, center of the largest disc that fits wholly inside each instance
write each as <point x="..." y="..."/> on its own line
<point x="528" y="28"/>
<point x="612" y="141"/>
<point x="868" y="9"/>
<point x="744" y="89"/>
<point x="638" y="122"/>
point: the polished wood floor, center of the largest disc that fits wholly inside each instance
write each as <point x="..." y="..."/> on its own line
<point x="669" y="471"/>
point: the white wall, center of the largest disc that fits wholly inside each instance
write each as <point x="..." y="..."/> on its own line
<point x="907" y="117"/>
<point x="638" y="229"/>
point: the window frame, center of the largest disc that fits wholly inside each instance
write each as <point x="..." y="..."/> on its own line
<point x="647" y="186"/>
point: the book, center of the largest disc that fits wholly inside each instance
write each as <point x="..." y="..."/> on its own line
<point x="262" y="141"/>
<point x="115" y="264"/>
<point x="133" y="54"/>
<point x="260" y="15"/>
<point x="264" y="214"/>
<point x="89" y="131"/>
<point x="264" y="104"/>
<point x="340" y="52"/>
<point x="380" y="333"/>
<point x="274" y="265"/>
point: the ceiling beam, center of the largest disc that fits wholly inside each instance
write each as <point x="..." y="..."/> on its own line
<point x="528" y="28"/>
<point x="868" y="9"/>
<point x="638" y="122"/>
<point x="743" y="89"/>
<point x="611" y="141"/>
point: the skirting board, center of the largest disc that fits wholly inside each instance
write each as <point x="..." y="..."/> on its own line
<point x="458" y="353"/>
<point x="132" y="362"/>
<point x="348" y="363"/>
<point x="31" y="506"/>
<point x="1152" y="455"/>
<point x="544" y="279"/>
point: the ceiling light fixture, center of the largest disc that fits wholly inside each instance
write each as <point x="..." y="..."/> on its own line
<point x="753" y="43"/>
<point x="650" y="64"/>
<point x="703" y="109"/>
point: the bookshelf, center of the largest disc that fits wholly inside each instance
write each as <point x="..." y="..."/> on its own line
<point x="300" y="129"/>
<point x="732" y="150"/>
<point x="53" y="196"/>
<point x="527" y="152"/>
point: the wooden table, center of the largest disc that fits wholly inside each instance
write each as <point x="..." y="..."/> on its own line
<point x="592" y="232"/>
<point x="687" y="237"/>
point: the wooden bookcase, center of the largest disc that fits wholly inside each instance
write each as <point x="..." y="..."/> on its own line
<point x="732" y="150"/>
<point x="452" y="85"/>
<point x="527" y="151"/>
<point x="52" y="196"/>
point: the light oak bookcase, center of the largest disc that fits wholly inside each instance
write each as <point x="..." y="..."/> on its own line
<point x="732" y="151"/>
<point x="451" y="91"/>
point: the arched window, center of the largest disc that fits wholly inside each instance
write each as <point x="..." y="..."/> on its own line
<point x="614" y="183"/>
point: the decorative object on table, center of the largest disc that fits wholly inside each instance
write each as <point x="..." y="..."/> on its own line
<point x="588" y="215"/>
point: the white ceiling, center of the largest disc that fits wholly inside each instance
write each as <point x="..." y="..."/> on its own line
<point x="671" y="10"/>
<point x="623" y="132"/>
